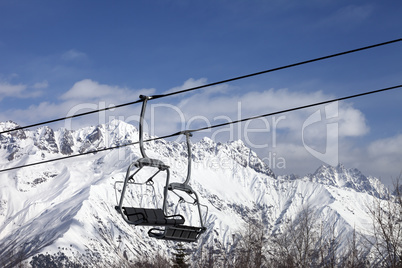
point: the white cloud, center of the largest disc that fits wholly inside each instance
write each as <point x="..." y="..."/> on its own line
<point x="281" y="133"/>
<point x="381" y="158"/>
<point x="290" y="158"/>
<point x="348" y="16"/>
<point x="353" y="13"/>
<point x="39" y="85"/>
<point x="8" y="90"/>
<point x="189" y="83"/>
<point x="35" y="113"/>
<point x="352" y="122"/>
<point x="237" y="106"/>
<point x="73" y="55"/>
<point x="85" y="95"/>
<point x="390" y="147"/>
<point x="17" y="91"/>
<point x="87" y="89"/>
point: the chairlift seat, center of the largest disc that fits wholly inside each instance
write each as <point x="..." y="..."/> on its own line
<point x="181" y="233"/>
<point x="150" y="217"/>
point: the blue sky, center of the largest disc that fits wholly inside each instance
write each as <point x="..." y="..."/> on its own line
<point x="61" y="57"/>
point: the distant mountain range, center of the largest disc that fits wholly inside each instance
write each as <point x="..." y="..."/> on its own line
<point x="68" y="206"/>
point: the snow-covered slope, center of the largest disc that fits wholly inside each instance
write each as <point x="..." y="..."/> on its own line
<point x="68" y="206"/>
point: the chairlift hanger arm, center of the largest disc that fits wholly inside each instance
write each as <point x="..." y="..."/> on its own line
<point x="188" y="135"/>
<point x="184" y="186"/>
<point x="141" y="129"/>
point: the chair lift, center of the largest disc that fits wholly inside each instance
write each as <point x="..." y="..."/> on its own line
<point x="146" y="216"/>
<point x="182" y="232"/>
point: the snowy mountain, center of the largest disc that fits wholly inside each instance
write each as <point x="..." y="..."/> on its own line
<point x="68" y="206"/>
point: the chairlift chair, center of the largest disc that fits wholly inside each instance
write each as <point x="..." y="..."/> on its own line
<point x="180" y="232"/>
<point x="146" y="216"/>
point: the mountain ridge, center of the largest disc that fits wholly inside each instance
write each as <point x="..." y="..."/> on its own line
<point x="73" y="200"/>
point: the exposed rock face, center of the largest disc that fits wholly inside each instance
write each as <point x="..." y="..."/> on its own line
<point x="45" y="140"/>
<point x="93" y="141"/>
<point x="66" y="142"/>
<point x="352" y="178"/>
<point x="8" y="141"/>
<point x="13" y="135"/>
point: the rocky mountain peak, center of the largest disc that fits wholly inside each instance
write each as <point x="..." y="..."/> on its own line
<point x="66" y="142"/>
<point x="45" y="140"/>
<point x="9" y="140"/>
<point x="8" y="125"/>
<point x="342" y="177"/>
<point x="94" y="140"/>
